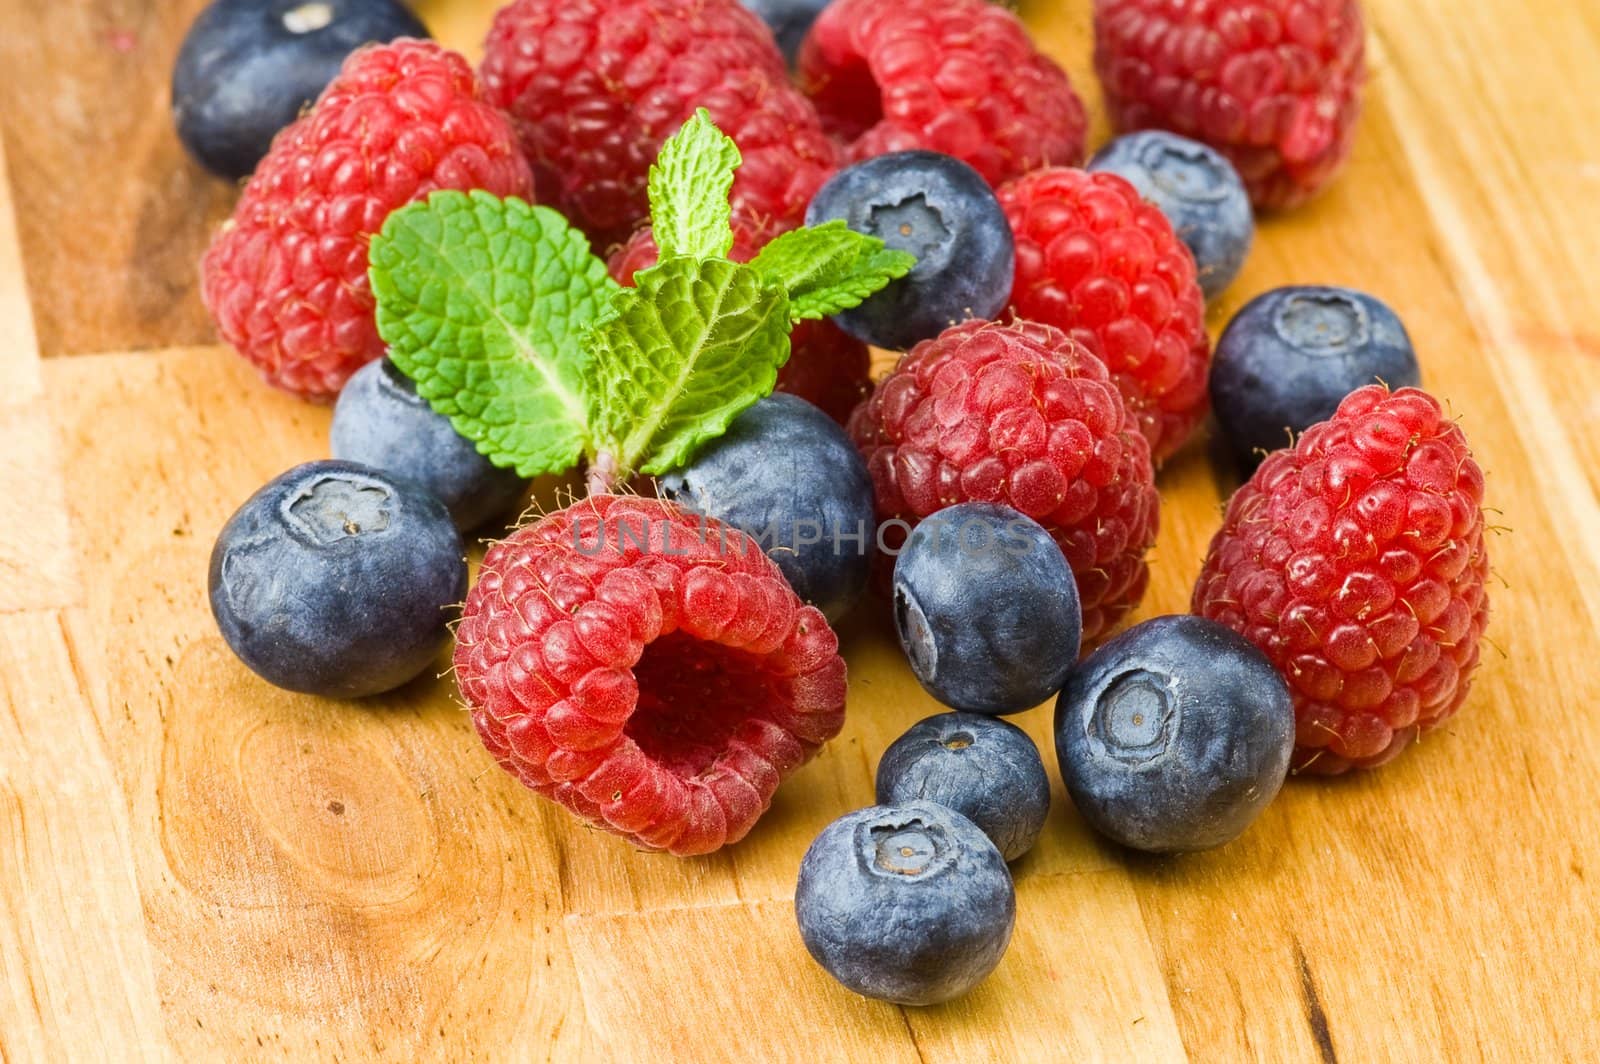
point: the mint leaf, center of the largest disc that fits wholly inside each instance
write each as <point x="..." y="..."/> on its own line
<point x="484" y="303"/>
<point x="681" y="356"/>
<point x="828" y="268"/>
<point x="689" y="185"/>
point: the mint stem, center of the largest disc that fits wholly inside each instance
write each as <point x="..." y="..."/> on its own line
<point x="602" y="476"/>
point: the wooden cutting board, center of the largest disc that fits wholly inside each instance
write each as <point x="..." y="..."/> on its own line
<point x="193" y="864"/>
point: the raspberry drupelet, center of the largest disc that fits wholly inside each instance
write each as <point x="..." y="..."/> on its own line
<point x="1096" y="260"/>
<point x="648" y="669"/>
<point x="286" y="278"/>
<point x="596" y="86"/>
<point x="1019" y="414"/>
<point x="962" y="77"/>
<point x="1275" y="85"/>
<point x="1356" y="561"/>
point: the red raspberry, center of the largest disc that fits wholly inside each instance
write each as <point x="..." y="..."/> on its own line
<point x="286" y="278"/>
<point x="1024" y="415"/>
<point x="652" y="673"/>
<point x="1355" y="560"/>
<point x="1275" y="85"/>
<point x="640" y="253"/>
<point x="1097" y="261"/>
<point x="596" y="86"/>
<point x="826" y="366"/>
<point x="957" y="76"/>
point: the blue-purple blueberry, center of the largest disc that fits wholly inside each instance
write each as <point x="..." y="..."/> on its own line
<point x="786" y="474"/>
<point x="987" y="609"/>
<point x="789" y="20"/>
<point x="907" y="903"/>
<point x="1174" y="736"/>
<point x="247" y="67"/>
<point x="1291" y="355"/>
<point x="942" y="211"/>
<point x="381" y="421"/>
<point x="986" y="769"/>
<point x="1197" y="189"/>
<point x="337" y="579"/>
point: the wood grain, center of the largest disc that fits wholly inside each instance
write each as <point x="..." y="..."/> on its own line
<point x="198" y="866"/>
<point x="36" y="563"/>
<point x="73" y="948"/>
<point x="19" y="348"/>
<point x="111" y="212"/>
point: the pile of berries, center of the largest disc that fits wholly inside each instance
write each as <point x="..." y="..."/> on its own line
<point x="799" y="181"/>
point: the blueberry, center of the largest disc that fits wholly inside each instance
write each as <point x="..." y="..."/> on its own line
<point x="787" y="474"/>
<point x="247" y="67"/>
<point x="789" y="20"/>
<point x="985" y="769"/>
<point x="1174" y="736"/>
<point x="987" y="609"/>
<point x="1197" y="189"/>
<point x="381" y="421"/>
<point x="908" y="903"/>
<point x="1291" y="355"/>
<point x="337" y="579"/>
<point x="939" y="209"/>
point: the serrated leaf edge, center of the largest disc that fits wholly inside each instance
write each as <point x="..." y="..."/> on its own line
<point x="874" y="267"/>
<point x="430" y="388"/>
<point x="632" y="450"/>
<point x="669" y="209"/>
<point x="574" y="404"/>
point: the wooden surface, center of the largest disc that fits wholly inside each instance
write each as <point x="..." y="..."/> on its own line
<point x="194" y="865"/>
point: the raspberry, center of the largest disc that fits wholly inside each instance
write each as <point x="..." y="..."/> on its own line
<point x="826" y="367"/>
<point x="1275" y="85"/>
<point x="596" y="86"/>
<point x="640" y="252"/>
<point x="1096" y="260"/>
<point x="1355" y="560"/>
<point x="956" y="76"/>
<point x="1024" y="415"/>
<point x="286" y="278"/>
<point x="648" y="669"/>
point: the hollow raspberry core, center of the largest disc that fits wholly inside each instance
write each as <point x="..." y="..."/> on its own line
<point x="961" y="77"/>
<point x="693" y="698"/>
<point x="849" y="99"/>
<point x="647" y="669"/>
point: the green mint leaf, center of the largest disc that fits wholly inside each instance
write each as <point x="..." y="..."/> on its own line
<point x="680" y="357"/>
<point x="484" y="303"/>
<point x="689" y="185"/>
<point x="828" y="268"/>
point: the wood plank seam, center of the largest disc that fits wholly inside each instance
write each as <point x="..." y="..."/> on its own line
<point x="36" y="562"/>
<point x="20" y="379"/>
<point x="1042" y="875"/>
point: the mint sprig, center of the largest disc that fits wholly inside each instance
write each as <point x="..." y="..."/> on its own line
<point x="696" y="343"/>
<point x="486" y="304"/>
<point x="512" y="328"/>
<point x="830" y="267"/>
